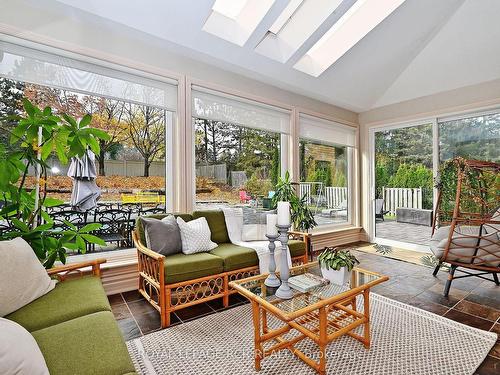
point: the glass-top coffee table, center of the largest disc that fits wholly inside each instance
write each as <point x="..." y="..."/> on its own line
<point x="322" y="314"/>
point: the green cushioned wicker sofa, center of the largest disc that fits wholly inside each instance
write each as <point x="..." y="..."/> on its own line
<point x="74" y="326"/>
<point x="177" y="281"/>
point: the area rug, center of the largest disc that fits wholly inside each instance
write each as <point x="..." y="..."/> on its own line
<point x="410" y="256"/>
<point x="405" y="340"/>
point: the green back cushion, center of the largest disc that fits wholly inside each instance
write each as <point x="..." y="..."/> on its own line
<point x="140" y="228"/>
<point x="217" y="224"/>
<point x="63" y="303"/>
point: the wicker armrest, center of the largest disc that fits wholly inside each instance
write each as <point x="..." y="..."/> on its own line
<point x="303" y="235"/>
<point x="150" y="263"/>
<point x="62" y="271"/>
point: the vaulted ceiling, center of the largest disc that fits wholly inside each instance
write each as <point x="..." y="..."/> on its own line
<point x="421" y="48"/>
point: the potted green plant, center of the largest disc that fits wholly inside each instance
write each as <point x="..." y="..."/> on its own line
<point x="337" y="264"/>
<point x="301" y="215"/>
<point x="36" y="136"/>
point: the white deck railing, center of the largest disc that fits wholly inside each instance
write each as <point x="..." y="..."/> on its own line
<point x="401" y="198"/>
<point x="336" y="196"/>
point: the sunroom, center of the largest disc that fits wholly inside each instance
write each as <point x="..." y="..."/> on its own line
<point x="215" y="186"/>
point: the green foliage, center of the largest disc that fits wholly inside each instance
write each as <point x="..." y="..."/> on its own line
<point x="411" y="176"/>
<point x="382" y="249"/>
<point x="258" y="187"/>
<point x="34" y="138"/>
<point x="335" y="258"/>
<point x="302" y="216"/>
<point x="323" y="172"/>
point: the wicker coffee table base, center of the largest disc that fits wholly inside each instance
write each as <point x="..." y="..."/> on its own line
<point x="322" y="325"/>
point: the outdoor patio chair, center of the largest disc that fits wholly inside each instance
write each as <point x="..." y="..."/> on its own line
<point x="116" y="226"/>
<point x="152" y="210"/>
<point x="244" y="196"/>
<point x="379" y="209"/>
<point x="77" y="218"/>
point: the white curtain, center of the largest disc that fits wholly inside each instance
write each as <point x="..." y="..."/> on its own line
<point x="330" y="132"/>
<point x="33" y="66"/>
<point x="217" y="106"/>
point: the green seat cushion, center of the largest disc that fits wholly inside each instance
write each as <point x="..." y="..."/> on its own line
<point x="297" y="248"/>
<point x="236" y="257"/>
<point x="91" y="344"/>
<point x="182" y="267"/>
<point x="68" y="300"/>
<point x="140" y="227"/>
<point x="217" y="224"/>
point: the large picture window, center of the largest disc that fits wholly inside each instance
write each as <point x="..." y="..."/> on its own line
<point x="476" y="137"/>
<point x="137" y="113"/>
<point x="325" y="160"/>
<point x="238" y="150"/>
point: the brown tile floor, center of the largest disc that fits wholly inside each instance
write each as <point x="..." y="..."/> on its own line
<point x="472" y="301"/>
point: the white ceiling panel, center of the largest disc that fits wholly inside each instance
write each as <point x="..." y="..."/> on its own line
<point x="423" y="47"/>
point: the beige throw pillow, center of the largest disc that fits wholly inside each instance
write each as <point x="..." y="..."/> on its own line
<point x="195" y="236"/>
<point x="19" y="352"/>
<point x="22" y="277"/>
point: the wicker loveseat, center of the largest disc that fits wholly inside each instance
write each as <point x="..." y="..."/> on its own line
<point x="177" y="281"/>
<point x="74" y="327"/>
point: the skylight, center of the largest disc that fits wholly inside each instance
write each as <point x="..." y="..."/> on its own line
<point x="297" y="22"/>
<point x="355" y="24"/>
<point x="287" y="13"/>
<point x="229" y="8"/>
<point x="236" y="20"/>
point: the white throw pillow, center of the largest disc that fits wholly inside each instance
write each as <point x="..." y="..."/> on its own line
<point x="19" y="352"/>
<point x="22" y="277"/>
<point x="195" y="236"/>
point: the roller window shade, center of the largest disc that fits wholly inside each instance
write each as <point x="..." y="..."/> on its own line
<point x="317" y="129"/>
<point x="212" y="105"/>
<point x="47" y="69"/>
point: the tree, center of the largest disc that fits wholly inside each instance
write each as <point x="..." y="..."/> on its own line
<point x="146" y="130"/>
<point x="107" y="115"/>
<point x="11" y="104"/>
<point x="61" y="101"/>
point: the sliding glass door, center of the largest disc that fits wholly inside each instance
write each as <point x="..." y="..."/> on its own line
<point x="404" y="185"/>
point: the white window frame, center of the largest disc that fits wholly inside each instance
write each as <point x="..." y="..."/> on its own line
<point x="369" y="210"/>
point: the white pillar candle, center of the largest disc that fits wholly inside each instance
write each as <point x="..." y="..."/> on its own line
<point x="283" y="213"/>
<point x="271" y="221"/>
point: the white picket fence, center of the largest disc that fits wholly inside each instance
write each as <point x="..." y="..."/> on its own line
<point x="336" y="196"/>
<point x="401" y="198"/>
<point x="305" y="189"/>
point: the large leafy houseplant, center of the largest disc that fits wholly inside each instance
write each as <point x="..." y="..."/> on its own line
<point x="301" y="215"/>
<point x="37" y="135"/>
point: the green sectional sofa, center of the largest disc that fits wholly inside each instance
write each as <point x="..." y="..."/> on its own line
<point x="74" y="326"/>
<point x="177" y="281"/>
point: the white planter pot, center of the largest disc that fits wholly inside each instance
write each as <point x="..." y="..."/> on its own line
<point x="340" y="277"/>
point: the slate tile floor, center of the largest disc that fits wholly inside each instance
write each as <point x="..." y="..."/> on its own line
<point x="472" y="301"/>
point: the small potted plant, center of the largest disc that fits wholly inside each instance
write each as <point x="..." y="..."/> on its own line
<point x="336" y="264"/>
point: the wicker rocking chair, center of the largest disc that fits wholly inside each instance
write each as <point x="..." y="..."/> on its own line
<point x="466" y="224"/>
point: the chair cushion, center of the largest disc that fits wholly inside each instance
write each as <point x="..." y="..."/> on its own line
<point x="140" y="227"/>
<point x="297" y="248"/>
<point x="182" y="267"/>
<point x="461" y="249"/>
<point x="217" y="224"/>
<point x="236" y="257"/>
<point x="91" y="344"/>
<point x="70" y="299"/>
